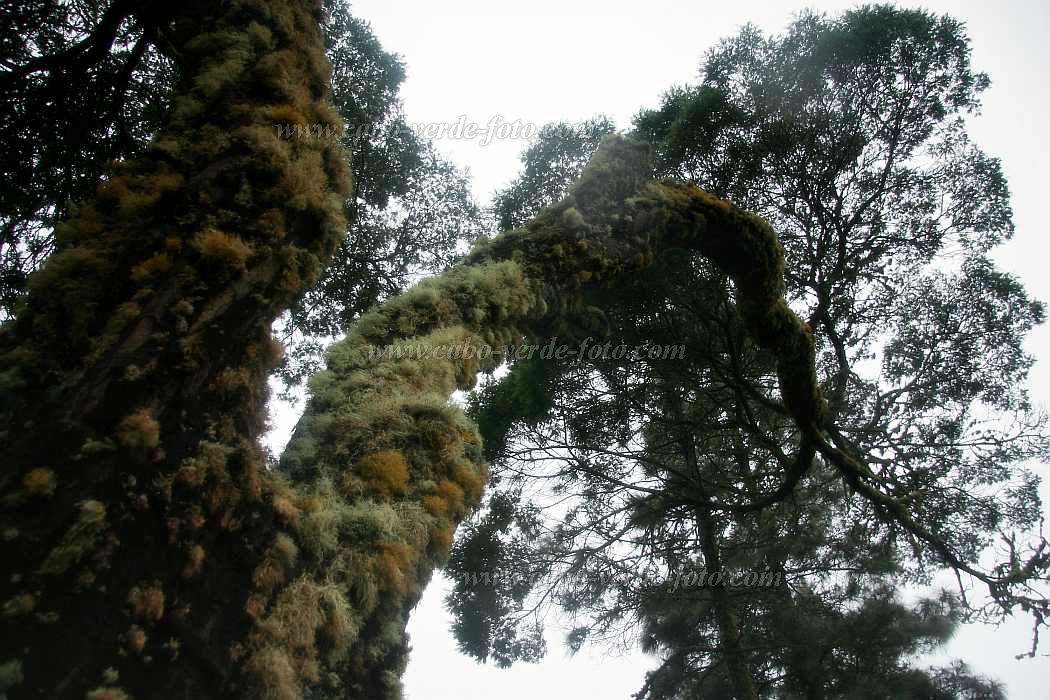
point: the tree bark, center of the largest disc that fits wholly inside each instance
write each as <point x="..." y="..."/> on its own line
<point x="135" y="504"/>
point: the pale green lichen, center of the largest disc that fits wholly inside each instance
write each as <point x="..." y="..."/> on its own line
<point x="139" y="431"/>
<point x="10" y="674"/>
<point x="79" y="541"/>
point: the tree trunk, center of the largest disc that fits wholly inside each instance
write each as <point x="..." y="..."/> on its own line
<point x="135" y="505"/>
<point x="731" y="644"/>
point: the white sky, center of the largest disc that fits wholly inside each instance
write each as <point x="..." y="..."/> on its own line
<point x="545" y="61"/>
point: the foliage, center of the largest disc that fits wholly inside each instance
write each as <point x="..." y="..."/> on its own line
<point x="847" y="134"/>
<point x="549" y="165"/>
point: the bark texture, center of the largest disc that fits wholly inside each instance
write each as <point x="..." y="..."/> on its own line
<point x="135" y="506"/>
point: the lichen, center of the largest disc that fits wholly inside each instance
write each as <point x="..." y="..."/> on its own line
<point x="79" y="541"/>
<point x="147" y="602"/>
<point x="139" y="431"/>
<point x="107" y="693"/>
<point x="40" y="482"/>
<point x="385" y="472"/>
<point x="10" y="674"/>
<point x="224" y="247"/>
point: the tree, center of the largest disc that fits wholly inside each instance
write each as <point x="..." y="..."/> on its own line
<point x="851" y="141"/>
<point x="129" y="418"/>
<point x="847" y="134"/>
<point x="621" y="520"/>
<point x="138" y="511"/>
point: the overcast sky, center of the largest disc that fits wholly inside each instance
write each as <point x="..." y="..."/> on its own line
<point x="550" y="60"/>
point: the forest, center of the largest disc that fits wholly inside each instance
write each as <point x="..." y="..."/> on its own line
<point x="739" y="384"/>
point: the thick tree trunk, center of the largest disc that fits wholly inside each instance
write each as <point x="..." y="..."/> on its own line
<point x="135" y="505"/>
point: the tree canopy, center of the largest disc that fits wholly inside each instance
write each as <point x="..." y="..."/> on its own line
<point x="848" y="135"/>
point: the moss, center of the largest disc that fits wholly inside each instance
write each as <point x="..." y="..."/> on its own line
<point x="173" y="647"/>
<point x="140" y="431"/>
<point x="221" y="75"/>
<point x="573" y="219"/>
<point x="22" y="604"/>
<point x="40" y="482"/>
<point x="95" y="447"/>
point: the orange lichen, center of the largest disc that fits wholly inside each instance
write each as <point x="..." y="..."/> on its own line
<point x="255" y="606"/>
<point x="441" y="540"/>
<point x="40" y="482"/>
<point x="194" y="561"/>
<point x="385" y="472"/>
<point x="286" y="510"/>
<point x="139" y="431"/>
<point x="268" y="575"/>
<point x="452" y="494"/>
<point x="232" y="380"/>
<point x="393" y="565"/>
<point x="435" y="506"/>
<point x="212" y="243"/>
<point x="272" y="670"/>
<point x="470" y="480"/>
<point x="152" y="267"/>
<point x="107" y="693"/>
<point x="147" y="603"/>
<point x="135" y="638"/>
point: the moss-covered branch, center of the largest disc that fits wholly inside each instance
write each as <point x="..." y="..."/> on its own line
<point x="383" y="468"/>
